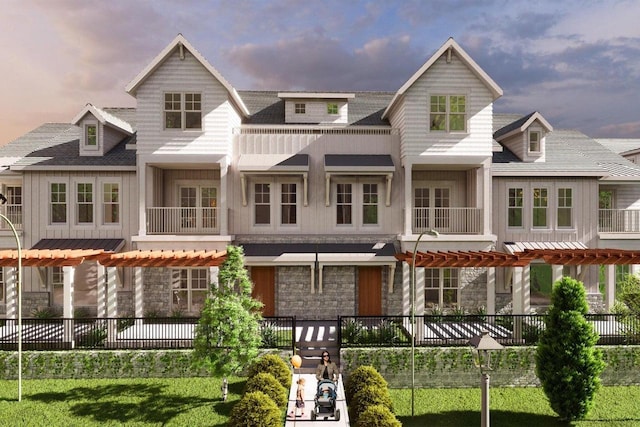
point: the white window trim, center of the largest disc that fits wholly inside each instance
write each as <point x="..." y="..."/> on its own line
<point x="549" y="207"/>
<point x="101" y="220"/>
<point x="441" y="287"/>
<point x="448" y="95"/>
<point x="289" y="180"/>
<point x="74" y="201"/>
<point x="85" y="136"/>
<point x="272" y="209"/>
<point x="303" y="108"/>
<point x="49" y="218"/>
<point x="337" y="105"/>
<point x="356" y="202"/>
<point x="556" y="199"/>
<point x="175" y="274"/>
<point x="529" y="150"/>
<point x="525" y="192"/>
<point x="183" y="111"/>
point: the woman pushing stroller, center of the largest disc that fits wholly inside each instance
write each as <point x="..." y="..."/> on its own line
<point x="327" y="370"/>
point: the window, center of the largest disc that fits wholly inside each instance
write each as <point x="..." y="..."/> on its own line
<point x="370" y="204"/>
<point x="199" y="206"/>
<point x="432" y="207"/>
<point x="57" y="276"/>
<point x="288" y="206"/>
<point x="14" y="204"/>
<point x="111" y="203"/>
<point x="58" y="203"/>
<point x="448" y="113"/>
<point x="182" y="111"/>
<point x="91" y="135"/>
<point x="534" y="142"/>
<point x="190" y="287"/>
<point x="332" y="108"/>
<point x="85" y="203"/>
<point x="300" y="108"/>
<point x="441" y="287"/>
<point x="514" y="211"/>
<point x="344" y="204"/>
<point x="262" y="203"/>
<point x="565" y="207"/>
<point x="540" y="204"/>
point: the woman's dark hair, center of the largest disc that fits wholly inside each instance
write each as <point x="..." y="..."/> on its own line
<point x="326" y="353"/>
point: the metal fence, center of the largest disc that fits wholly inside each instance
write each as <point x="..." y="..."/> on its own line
<point x="126" y="333"/>
<point x="456" y="330"/>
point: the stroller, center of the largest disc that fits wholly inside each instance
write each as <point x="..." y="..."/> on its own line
<point x="325" y="401"/>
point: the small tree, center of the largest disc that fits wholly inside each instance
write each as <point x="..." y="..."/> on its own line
<point x="567" y="362"/>
<point x="227" y="337"/>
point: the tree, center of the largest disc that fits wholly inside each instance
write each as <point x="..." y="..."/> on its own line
<point x="567" y="362"/>
<point x="227" y="337"/>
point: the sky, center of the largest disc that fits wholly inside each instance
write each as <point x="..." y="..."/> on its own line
<point x="577" y="62"/>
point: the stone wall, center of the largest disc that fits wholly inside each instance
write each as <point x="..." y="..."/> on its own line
<point x="157" y="291"/>
<point x="126" y="304"/>
<point x="33" y="302"/>
<point x="473" y="288"/>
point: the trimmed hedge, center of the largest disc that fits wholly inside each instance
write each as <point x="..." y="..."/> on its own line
<point x="270" y="386"/>
<point x="361" y="377"/>
<point x="255" y="409"/>
<point x="377" y="416"/>
<point x="367" y="396"/>
<point x="274" y="365"/>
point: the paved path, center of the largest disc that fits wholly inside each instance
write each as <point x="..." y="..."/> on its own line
<point x="310" y="388"/>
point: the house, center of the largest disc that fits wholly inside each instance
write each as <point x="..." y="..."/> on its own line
<point x="322" y="189"/>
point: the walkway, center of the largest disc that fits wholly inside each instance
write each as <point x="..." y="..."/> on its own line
<point x="310" y="388"/>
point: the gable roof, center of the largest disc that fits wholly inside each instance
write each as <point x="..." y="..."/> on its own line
<point x="178" y="42"/>
<point x="521" y="125"/>
<point x="104" y="118"/>
<point x="622" y="146"/>
<point x="464" y="57"/>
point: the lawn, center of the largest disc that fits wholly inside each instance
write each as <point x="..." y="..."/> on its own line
<point x="196" y="402"/>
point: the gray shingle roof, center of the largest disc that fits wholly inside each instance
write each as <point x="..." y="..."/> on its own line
<point x="365" y="109"/>
<point x="620" y="145"/>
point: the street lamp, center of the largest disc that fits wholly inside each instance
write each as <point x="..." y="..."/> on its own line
<point x="433" y="233"/>
<point x="15" y="234"/>
<point x="482" y="345"/>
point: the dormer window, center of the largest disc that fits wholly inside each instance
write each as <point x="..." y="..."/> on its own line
<point x="182" y="110"/>
<point x="448" y="113"/>
<point x="91" y="135"/>
<point x="534" y="142"/>
<point x="332" y="108"/>
<point x="300" y="108"/>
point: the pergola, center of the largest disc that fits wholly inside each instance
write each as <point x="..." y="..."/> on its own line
<point x="108" y="264"/>
<point x="517" y="263"/>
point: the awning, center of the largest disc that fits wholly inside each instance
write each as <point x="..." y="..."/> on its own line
<point x="106" y="245"/>
<point x="279" y="164"/>
<point x="515" y="247"/>
<point x="358" y="164"/>
<point x="325" y="253"/>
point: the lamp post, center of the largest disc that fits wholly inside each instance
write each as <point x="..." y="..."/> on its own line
<point x="482" y="345"/>
<point x="433" y="233"/>
<point x="19" y="282"/>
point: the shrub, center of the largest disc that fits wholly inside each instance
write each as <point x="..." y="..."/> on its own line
<point x="255" y="409"/>
<point x="274" y="365"/>
<point x="352" y="331"/>
<point x="361" y="377"/>
<point x="368" y="396"/>
<point x="270" y="386"/>
<point x="269" y="335"/>
<point x="567" y="362"/>
<point x="377" y="416"/>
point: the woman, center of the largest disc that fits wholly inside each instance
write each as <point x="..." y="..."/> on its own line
<point x="327" y="370"/>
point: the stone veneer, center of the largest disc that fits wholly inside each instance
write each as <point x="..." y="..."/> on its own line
<point x="157" y="291"/>
<point x="473" y="288"/>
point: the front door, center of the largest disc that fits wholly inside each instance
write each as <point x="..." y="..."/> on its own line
<point x="369" y="291"/>
<point x="264" y="288"/>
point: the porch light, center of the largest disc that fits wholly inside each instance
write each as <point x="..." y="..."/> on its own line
<point x="482" y="346"/>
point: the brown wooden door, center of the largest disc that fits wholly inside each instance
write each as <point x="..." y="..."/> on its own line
<point x="370" y="291"/>
<point x="264" y="288"/>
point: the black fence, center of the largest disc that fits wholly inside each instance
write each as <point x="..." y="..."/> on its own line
<point x="456" y="330"/>
<point x="126" y="333"/>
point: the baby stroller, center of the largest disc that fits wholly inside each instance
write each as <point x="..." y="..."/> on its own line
<point x="325" y="401"/>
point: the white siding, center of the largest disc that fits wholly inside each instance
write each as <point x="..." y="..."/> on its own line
<point x="316" y="111"/>
<point x="186" y="75"/>
<point x="412" y="115"/>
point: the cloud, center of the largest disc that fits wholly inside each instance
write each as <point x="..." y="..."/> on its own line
<point x="321" y="63"/>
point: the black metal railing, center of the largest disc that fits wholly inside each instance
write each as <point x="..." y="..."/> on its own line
<point x="456" y="330"/>
<point x="126" y="333"/>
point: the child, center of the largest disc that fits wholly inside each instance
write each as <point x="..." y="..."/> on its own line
<point x="299" y="400"/>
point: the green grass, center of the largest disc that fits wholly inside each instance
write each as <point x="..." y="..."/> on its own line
<point x="118" y="402"/>
<point x="518" y="407"/>
<point x="197" y="402"/>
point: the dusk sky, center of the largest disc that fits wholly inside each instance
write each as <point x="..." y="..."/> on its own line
<point x="577" y="62"/>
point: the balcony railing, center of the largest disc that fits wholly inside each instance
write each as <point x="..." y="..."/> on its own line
<point x="619" y="220"/>
<point x="14" y="214"/>
<point x="448" y="220"/>
<point x="172" y="220"/>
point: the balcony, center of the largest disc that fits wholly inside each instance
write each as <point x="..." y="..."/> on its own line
<point x="14" y="214"/>
<point x="448" y="220"/>
<point x="619" y="220"/>
<point x="174" y="220"/>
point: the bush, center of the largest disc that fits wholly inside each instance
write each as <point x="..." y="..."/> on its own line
<point x="274" y="365"/>
<point x="270" y="386"/>
<point x="361" y="377"/>
<point x="377" y="416"/>
<point x="255" y="409"/>
<point x="352" y="331"/>
<point x="567" y="362"/>
<point x="368" y="396"/>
